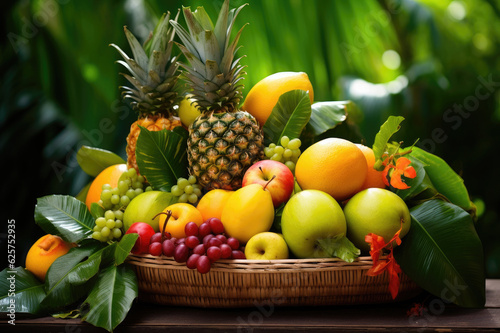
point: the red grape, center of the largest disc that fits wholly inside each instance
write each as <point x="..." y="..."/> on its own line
<point x="168" y="247"/>
<point x="181" y="253"/>
<point x="206" y="239"/>
<point x="225" y="251"/>
<point x="213" y="253"/>
<point x="192" y="241"/>
<point x="222" y="238"/>
<point x="216" y="225"/>
<point x="191" y="229"/>
<point x="199" y="249"/>
<point x="233" y="242"/>
<point x="214" y="242"/>
<point x="155" y="238"/>
<point x="155" y="249"/>
<point x="192" y="261"/>
<point x="203" y="264"/>
<point x="204" y="229"/>
<point x="180" y="241"/>
<point x="237" y="254"/>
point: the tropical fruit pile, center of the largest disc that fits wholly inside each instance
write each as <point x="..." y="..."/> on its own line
<point x="205" y="181"/>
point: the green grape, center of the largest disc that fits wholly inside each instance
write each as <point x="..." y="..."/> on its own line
<point x="284" y="141"/>
<point x="100" y="222"/>
<point x="175" y="190"/>
<point x="268" y="152"/>
<point x="138" y="191"/>
<point x="105" y="232"/>
<point x="287" y="153"/>
<point x="295" y="153"/>
<point x="192" y="179"/>
<point x="118" y="224"/>
<point x="122" y="186"/>
<point x="106" y="195"/>
<point x="290" y="165"/>
<point x="137" y="185"/>
<point x="97" y="228"/>
<point x="106" y="187"/>
<point x="188" y="189"/>
<point x="141" y="179"/>
<point x="118" y="215"/>
<point x="128" y="182"/>
<point x="276" y="157"/>
<point x="115" y="199"/>
<point x="96" y="235"/>
<point x="183" y="198"/>
<point x="110" y="224"/>
<point x="109" y="215"/>
<point x="197" y="191"/>
<point x="130" y="193"/>
<point x="182" y="183"/>
<point x="294" y="144"/>
<point x="192" y="198"/>
<point x="124" y="200"/>
<point x="272" y="145"/>
<point x="149" y="188"/>
<point x="100" y="203"/>
<point x="115" y="191"/>
<point x="107" y="204"/>
<point x="196" y="186"/>
<point x="117" y="233"/>
<point x="279" y="150"/>
<point x="131" y="173"/>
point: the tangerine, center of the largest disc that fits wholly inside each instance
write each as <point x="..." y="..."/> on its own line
<point x="110" y="176"/>
<point x="43" y="253"/>
<point x="335" y="166"/>
<point x="373" y="177"/>
<point x="264" y="95"/>
<point x="212" y="203"/>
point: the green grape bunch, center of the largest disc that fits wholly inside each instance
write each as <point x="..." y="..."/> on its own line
<point x="288" y="152"/>
<point x="187" y="190"/>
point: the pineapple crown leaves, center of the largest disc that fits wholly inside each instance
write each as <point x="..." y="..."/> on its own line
<point x="213" y="74"/>
<point x="152" y="70"/>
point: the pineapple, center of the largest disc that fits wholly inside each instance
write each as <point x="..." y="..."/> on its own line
<point x="153" y="75"/>
<point x="223" y="141"/>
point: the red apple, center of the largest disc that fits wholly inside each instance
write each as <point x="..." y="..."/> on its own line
<point x="282" y="185"/>
<point x="145" y="231"/>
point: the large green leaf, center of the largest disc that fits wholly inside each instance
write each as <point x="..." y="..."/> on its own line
<point x="68" y="277"/>
<point x="94" y="160"/>
<point x="112" y="296"/>
<point x="162" y="156"/>
<point x="443" y="254"/>
<point x="327" y="115"/>
<point x="123" y="248"/>
<point x="64" y="216"/>
<point x="20" y="291"/>
<point x="382" y="138"/>
<point x="289" y="116"/>
<point x="445" y="179"/>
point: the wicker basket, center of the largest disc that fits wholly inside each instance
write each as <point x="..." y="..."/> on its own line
<point x="243" y="283"/>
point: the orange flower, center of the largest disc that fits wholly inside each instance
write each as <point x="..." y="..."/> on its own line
<point x="402" y="168"/>
<point x="377" y="245"/>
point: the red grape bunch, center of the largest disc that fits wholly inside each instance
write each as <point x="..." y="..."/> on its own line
<point x="201" y="247"/>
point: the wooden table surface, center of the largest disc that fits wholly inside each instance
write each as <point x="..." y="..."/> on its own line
<point x="366" y="318"/>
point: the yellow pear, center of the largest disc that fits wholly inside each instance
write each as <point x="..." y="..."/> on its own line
<point x="247" y="212"/>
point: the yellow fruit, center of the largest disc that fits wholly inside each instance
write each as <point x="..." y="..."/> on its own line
<point x="182" y="214"/>
<point x="188" y="111"/>
<point x="335" y="166"/>
<point x="373" y="177"/>
<point x="43" y="253"/>
<point x="110" y="176"/>
<point x="262" y="98"/>
<point x="212" y="203"/>
<point x="248" y="211"/>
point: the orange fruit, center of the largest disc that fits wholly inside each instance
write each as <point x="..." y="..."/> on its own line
<point x="264" y="95"/>
<point x="43" y="253"/>
<point x="373" y="177"/>
<point x="182" y="214"/>
<point x="110" y="176"/>
<point x="335" y="166"/>
<point x="212" y="203"/>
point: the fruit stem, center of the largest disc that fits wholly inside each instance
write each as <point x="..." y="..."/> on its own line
<point x="169" y="214"/>
<point x="270" y="180"/>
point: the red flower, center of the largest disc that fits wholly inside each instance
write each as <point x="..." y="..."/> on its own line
<point x="402" y="168"/>
<point x="377" y="244"/>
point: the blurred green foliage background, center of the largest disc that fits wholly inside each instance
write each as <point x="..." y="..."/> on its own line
<point x="434" y="62"/>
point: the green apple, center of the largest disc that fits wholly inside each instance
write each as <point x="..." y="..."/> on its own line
<point x="266" y="246"/>
<point x="145" y="206"/>
<point x="308" y="217"/>
<point x="377" y="211"/>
